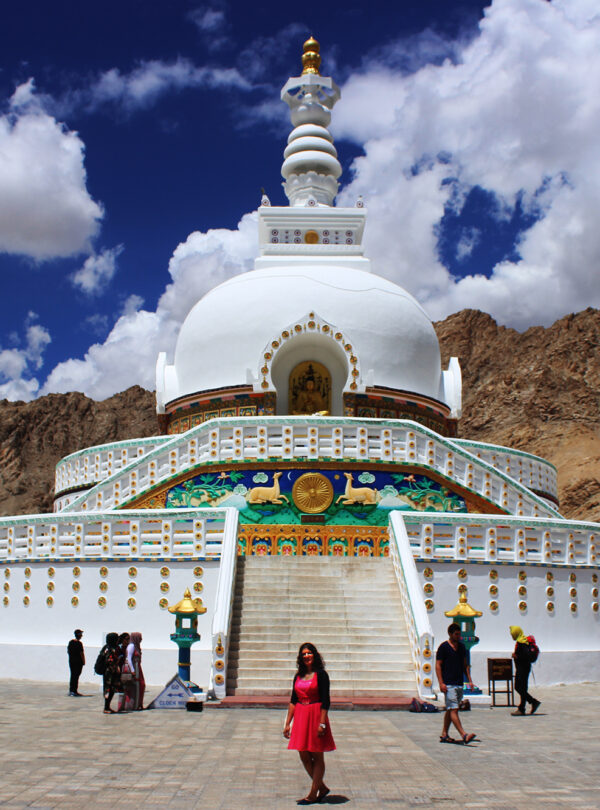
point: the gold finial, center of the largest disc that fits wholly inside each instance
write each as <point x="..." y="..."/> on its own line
<point x="311" y="59"/>
<point x="188" y="605"/>
<point x="463" y="609"/>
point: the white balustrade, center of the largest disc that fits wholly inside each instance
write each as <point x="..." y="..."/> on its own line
<point x="533" y="472"/>
<point x="311" y="438"/>
<point x="494" y="538"/>
<point x="420" y="634"/>
<point x="126" y="534"/>
<point x="88" y="467"/>
<point x="221" y="622"/>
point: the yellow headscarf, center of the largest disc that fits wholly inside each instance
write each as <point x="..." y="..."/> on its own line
<point x="518" y="635"/>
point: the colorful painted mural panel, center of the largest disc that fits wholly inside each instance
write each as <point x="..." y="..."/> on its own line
<point x="329" y="497"/>
<point x="313" y="541"/>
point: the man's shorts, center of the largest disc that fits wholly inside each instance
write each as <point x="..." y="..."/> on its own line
<point x="454" y="696"/>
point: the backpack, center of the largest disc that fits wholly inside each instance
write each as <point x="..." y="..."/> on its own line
<point x="533" y="649"/>
<point x="100" y="665"/>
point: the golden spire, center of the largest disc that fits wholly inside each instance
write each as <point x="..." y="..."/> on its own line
<point x="311" y="59"/>
<point x="188" y="605"/>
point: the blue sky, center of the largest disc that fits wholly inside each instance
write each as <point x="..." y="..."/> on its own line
<point x="135" y="138"/>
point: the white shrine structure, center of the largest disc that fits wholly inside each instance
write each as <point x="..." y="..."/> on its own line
<point x="307" y="484"/>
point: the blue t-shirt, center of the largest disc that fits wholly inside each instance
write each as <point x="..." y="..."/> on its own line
<point x="453" y="663"/>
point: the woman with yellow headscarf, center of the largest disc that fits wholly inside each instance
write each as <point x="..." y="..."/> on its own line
<point x="522" y="658"/>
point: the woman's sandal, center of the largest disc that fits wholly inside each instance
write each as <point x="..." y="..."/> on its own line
<point x="446" y="739"/>
<point x="467" y="738"/>
<point x="322" y="793"/>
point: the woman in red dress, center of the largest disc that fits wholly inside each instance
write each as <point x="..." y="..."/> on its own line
<point x="310" y="733"/>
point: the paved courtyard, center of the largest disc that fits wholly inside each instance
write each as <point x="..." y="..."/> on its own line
<point x="61" y="752"/>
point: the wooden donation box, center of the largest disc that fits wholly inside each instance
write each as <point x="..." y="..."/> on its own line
<point x="501" y="669"/>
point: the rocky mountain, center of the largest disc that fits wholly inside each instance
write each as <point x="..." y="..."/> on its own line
<point x="537" y="391"/>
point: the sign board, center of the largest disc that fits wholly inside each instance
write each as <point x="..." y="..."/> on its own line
<point x="176" y="694"/>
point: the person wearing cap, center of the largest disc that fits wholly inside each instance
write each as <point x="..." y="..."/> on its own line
<point x="76" y="661"/>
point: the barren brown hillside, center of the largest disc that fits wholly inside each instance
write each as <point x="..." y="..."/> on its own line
<point x="537" y="391"/>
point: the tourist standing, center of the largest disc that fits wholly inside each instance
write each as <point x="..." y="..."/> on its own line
<point x="132" y="676"/>
<point x="112" y="670"/>
<point x="76" y="655"/>
<point x="310" y="733"/>
<point x="451" y="666"/>
<point x="522" y="659"/>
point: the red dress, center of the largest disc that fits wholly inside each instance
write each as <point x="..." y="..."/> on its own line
<point x="307" y="717"/>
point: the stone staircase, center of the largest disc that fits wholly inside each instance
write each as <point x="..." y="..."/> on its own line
<point x="348" y="607"/>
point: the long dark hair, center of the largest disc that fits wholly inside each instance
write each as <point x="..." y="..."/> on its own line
<point x="318" y="662"/>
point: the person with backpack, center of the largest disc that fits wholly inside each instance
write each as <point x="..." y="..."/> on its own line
<point x="108" y="664"/>
<point x="526" y="652"/>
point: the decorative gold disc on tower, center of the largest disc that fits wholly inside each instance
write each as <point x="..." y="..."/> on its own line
<point x="312" y="493"/>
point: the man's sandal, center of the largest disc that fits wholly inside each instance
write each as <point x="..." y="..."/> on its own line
<point x="467" y="738"/>
<point x="446" y="739"/>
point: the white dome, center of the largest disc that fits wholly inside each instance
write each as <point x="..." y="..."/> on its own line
<point x="223" y="338"/>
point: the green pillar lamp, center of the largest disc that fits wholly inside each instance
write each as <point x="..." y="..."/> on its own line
<point x="186" y="630"/>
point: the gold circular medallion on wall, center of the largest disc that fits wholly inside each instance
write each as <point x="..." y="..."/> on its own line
<point x="163" y="603"/>
<point x="50" y="586"/>
<point x="428" y="573"/>
<point x="549" y="576"/>
<point x="573" y="607"/>
<point x="164" y="571"/>
<point x="103" y="586"/>
<point x="26" y="601"/>
<point x="198" y="587"/>
<point x="595" y="607"/>
<point x="429" y="604"/>
<point x="7" y="572"/>
<point x="131" y="602"/>
<point x="198" y="571"/>
<point x="132" y="587"/>
<point x="493" y="575"/>
<point x="132" y="571"/>
<point x="549" y="591"/>
<point x="7" y="586"/>
<point x="6" y="601"/>
<point x="76" y="571"/>
<point x="104" y="571"/>
<point x="523" y="576"/>
<point x="572" y="577"/>
<point x="50" y="601"/>
<point x="27" y="585"/>
<point x="311" y="237"/>
<point x="74" y="601"/>
<point x="27" y="572"/>
<point x="594" y="578"/>
<point x="219" y="679"/>
<point x="493" y="605"/>
<point x="164" y="586"/>
<point x="462" y="573"/>
<point x="522" y="590"/>
<point x="493" y="589"/>
<point x="549" y="606"/>
<point x="572" y="592"/>
<point x="219" y="664"/>
<point x="312" y="493"/>
<point x="102" y="601"/>
<point x="428" y="587"/>
<point x="522" y="606"/>
<point x="51" y="572"/>
<point x="76" y="586"/>
<point x="595" y="592"/>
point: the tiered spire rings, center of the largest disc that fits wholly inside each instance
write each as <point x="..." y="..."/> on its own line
<point x="310" y="167"/>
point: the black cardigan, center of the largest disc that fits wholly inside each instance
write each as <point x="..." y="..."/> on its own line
<point x="323" y="685"/>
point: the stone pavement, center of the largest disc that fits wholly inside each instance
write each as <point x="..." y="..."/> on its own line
<point x="61" y="752"/>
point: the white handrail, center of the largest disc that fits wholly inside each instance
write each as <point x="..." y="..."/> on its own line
<point x="420" y="633"/>
<point x="223" y="605"/>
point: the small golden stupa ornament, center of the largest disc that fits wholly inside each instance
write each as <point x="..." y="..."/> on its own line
<point x="311" y="58"/>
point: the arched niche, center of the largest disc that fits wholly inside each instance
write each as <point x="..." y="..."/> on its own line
<point x="310" y="346"/>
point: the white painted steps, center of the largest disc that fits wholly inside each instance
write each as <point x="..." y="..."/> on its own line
<point x="349" y="607"/>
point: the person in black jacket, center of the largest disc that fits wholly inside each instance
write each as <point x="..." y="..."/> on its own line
<point x="310" y="733"/>
<point x="76" y="662"/>
<point x="522" y="659"/>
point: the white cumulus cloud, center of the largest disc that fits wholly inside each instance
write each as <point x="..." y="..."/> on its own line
<point x="516" y="112"/>
<point x="97" y="271"/>
<point x="19" y="364"/>
<point x="45" y="208"/>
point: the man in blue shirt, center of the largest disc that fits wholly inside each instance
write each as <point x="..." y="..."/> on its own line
<point x="451" y="665"/>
